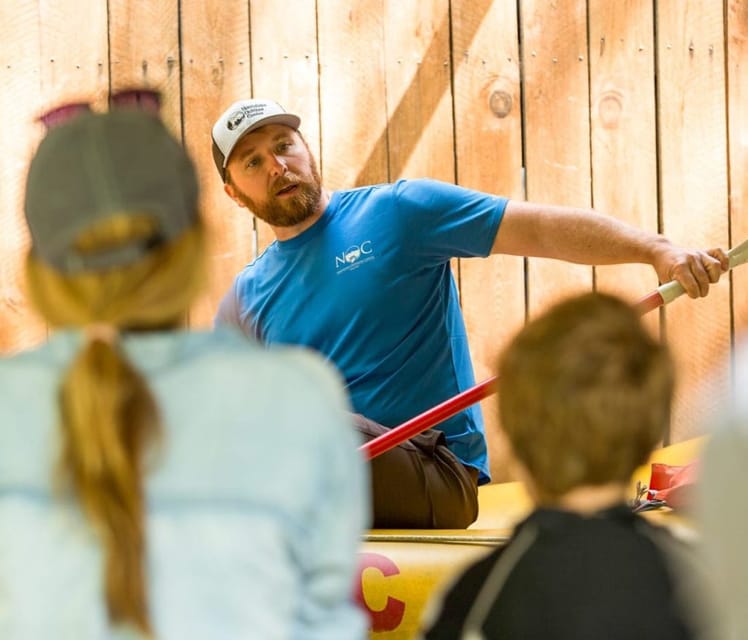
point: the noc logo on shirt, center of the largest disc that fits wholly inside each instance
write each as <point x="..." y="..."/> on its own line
<point x="354" y="256"/>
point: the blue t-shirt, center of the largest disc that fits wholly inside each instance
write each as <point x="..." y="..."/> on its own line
<point x="369" y="286"/>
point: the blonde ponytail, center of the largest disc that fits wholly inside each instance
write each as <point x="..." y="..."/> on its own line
<point x="108" y="417"/>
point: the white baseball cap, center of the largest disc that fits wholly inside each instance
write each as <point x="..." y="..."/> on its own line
<point x="241" y="118"/>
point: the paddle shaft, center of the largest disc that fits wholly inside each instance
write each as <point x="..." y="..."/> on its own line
<point x="664" y="294"/>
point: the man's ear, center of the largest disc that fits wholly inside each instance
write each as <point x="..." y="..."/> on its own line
<point x="231" y="193"/>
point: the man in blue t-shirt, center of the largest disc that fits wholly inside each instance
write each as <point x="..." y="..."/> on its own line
<point x="363" y="276"/>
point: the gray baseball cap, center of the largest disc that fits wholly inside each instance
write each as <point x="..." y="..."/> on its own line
<point x="241" y="118"/>
<point x="101" y="164"/>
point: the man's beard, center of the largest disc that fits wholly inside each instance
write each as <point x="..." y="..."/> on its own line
<point x="288" y="212"/>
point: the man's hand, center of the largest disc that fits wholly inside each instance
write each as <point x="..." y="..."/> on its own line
<point x="694" y="269"/>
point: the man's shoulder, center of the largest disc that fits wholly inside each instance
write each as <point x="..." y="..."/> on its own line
<point x="393" y="197"/>
<point x="362" y="193"/>
<point x="255" y="267"/>
<point x="383" y="189"/>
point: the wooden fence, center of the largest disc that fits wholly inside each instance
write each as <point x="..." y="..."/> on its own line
<point x="636" y="107"/>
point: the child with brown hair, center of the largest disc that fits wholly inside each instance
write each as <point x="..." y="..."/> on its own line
<point x="585" y="395"/>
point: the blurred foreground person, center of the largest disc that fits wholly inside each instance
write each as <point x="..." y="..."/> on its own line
<point x="723" y="503"/>
<point x="157" y="482"/>
<point x="585" y="395"/>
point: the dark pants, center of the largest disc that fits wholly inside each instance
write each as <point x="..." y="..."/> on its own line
<point x="420" y="484"/>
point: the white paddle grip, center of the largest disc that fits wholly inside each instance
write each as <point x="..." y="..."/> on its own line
<point x="738" y="255"/>
<point x="671" y="290"/>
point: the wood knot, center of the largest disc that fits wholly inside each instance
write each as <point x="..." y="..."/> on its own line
<point x="500" y="103"/>
<point x="609" y="108"/>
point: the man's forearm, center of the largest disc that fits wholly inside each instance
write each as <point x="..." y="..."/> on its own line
<point x="583" y="236"/>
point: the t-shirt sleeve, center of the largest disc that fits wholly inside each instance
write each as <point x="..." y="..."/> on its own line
<point x="228" y="309"/>
<point x="230" y="313"/>
<point x="446" y="221"/>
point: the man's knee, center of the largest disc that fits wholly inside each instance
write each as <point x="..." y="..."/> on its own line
<point x="420" y="483"/>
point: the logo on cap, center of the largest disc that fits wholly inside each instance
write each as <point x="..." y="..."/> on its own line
<point x="245" y="111"/>
<point x="234" y="120"/>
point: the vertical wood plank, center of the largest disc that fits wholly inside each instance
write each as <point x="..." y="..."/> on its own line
<point x="419" y="92"/>
<point x="557" y="139"/>
<point x="215" y="73"/>
<point x="284" y="69"/>
<point x="144" y="52"/>
<point x="353" y="106"/>
<point x="488" y="146"/>
<point x="624" y="135"/>
<point x="67" y="61"/>
<point x="20" y="327"/>
<point x="737" y="90"/>
<point x="74" y="52"/>
<point x="693" y="188"/>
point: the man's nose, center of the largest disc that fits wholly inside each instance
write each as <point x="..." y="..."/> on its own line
<point x="277" y="165"/>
